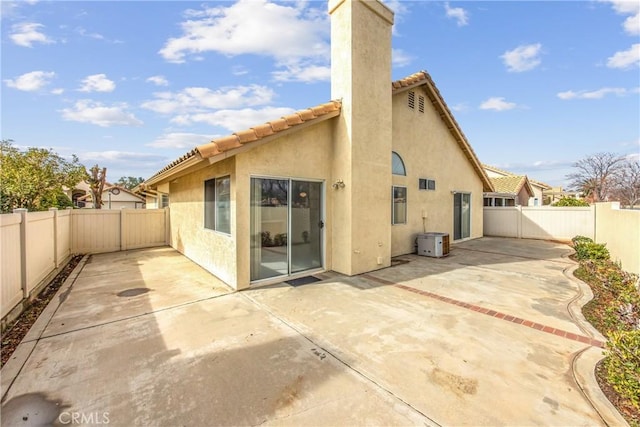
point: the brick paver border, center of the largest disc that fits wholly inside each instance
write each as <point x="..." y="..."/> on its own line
<point x="492" y="313"/>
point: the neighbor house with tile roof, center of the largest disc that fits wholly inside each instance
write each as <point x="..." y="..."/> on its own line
<point x="345" y="185"/>
<point x="512" y="189"/>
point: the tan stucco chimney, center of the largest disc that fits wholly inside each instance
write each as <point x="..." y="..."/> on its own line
<point x="361" y="77"/>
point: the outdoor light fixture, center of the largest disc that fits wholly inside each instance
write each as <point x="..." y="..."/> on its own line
<point x="338" y="184"/>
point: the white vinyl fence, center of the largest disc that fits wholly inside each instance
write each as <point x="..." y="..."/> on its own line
<point x="34" y="244"/>
<point x="603" y="222"/>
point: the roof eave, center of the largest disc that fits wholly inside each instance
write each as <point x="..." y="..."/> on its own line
<point x="453" y="127"/>
<point x="246" y="147"/>
<point x="163" y="176"/>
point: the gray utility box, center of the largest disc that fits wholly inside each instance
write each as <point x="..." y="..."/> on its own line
<point x="433" y="244"/>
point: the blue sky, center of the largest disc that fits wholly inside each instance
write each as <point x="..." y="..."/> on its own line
<point x="131" y="86"/>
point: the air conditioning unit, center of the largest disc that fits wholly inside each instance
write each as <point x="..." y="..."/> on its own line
<point x="433" y="244"/>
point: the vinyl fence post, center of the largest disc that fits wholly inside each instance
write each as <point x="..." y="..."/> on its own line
<point x="23" y="251"/>
<point x="55" y="236"/>
<point x="167" y="226"/>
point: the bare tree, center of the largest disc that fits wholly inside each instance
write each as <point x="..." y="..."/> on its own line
<point x="596" y="175"/>
<point x="627" y="183"/>
<point x="96" y="182"/>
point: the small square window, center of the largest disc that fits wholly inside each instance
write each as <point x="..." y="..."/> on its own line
<point x="426" y="184"/>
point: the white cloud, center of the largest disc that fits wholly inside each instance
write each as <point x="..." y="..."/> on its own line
<point x="120" y="156"/>
<point x="595" y="94"/>
<point x="497" y="104"/>
<point x="97" y="83"/>
<point x="84" y="33"/>
<point x="250" y="27"/>
<point x="234" y="120"/>
<point x="303" y="73"/>
<point x="399" y="7"/>
<point x="628" y="7"/>
<point x="294" y="34"/>
<point x="27" y="33"/>
<point x="31" y="82"/>
<point x="626" y="58"/>
<point x="400" y="58"/>
<point x="200" y="99"/>
<point x="88" y="111"/>
<point x="239" y="70"/>
<point x="522" y="58"/>
<point x="57" y="91"/>
<point x="459" y="14"/>
<point x="180" y="140"/>
<point x="461" y="107"/>
<point x="158" y="80"/>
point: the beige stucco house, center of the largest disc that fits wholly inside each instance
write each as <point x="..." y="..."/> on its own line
<point x="113" y="197"/>
<point x="345" y="185"/>
<point x="514" y="190"/>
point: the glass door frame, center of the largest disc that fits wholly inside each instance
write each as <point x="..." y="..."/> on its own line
<point x="461" y="194"/>
<point x="323" y="207"/>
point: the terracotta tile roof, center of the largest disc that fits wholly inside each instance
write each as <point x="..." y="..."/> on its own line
<point x="422" y="78"/>
<point x="511" y="184"/>
<point x="507" y="173"/>
<point x="240" y="138"/>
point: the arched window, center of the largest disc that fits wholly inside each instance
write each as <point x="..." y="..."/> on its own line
<point x="397" y="165"/>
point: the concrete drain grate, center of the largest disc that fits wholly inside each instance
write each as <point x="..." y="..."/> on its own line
<point x="134" y="292"/>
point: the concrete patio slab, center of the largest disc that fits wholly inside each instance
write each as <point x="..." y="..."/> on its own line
<point x="148" y="338"/>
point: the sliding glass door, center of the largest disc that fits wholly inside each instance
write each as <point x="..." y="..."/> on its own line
<point x="286" y="227"/>
<point x="461" y="216"/>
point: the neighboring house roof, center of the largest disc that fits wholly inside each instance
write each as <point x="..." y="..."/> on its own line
<point x="512" y="184"/>
<point x="88" y="197"/>
<point x="507" y="173"/>
<point x="226" y="146"/>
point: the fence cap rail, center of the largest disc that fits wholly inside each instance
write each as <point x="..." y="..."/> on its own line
<point x="10" y="219"/>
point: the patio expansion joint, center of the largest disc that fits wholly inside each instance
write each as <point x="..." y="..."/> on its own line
<point x="146" y="313"/>
<point x="347" y="365"/>
<point x="493" y="313"/>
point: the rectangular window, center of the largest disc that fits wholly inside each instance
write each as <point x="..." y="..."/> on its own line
<point x="217" y="204"/>
<point x="164" y="201"/>
<point x="426" y="184"/>
<point x="399" y="205"/>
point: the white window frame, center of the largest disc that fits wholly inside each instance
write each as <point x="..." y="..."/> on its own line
<point x="393" y="205"/>
<point x="214" y="205"/>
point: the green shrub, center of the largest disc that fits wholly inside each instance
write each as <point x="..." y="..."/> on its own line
<point x="570" y="201"/>
<point x="587" y="249"/>
<point x="623" y="364"/>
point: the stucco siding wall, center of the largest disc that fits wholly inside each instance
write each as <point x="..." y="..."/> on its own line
<point x="214" y="251"/>
<point x="429" y="151"/>
<point x="305" y="154"/>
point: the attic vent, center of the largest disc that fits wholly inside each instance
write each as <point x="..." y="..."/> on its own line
<point x="412" y="100"/>
<point x="421" y="104"/>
